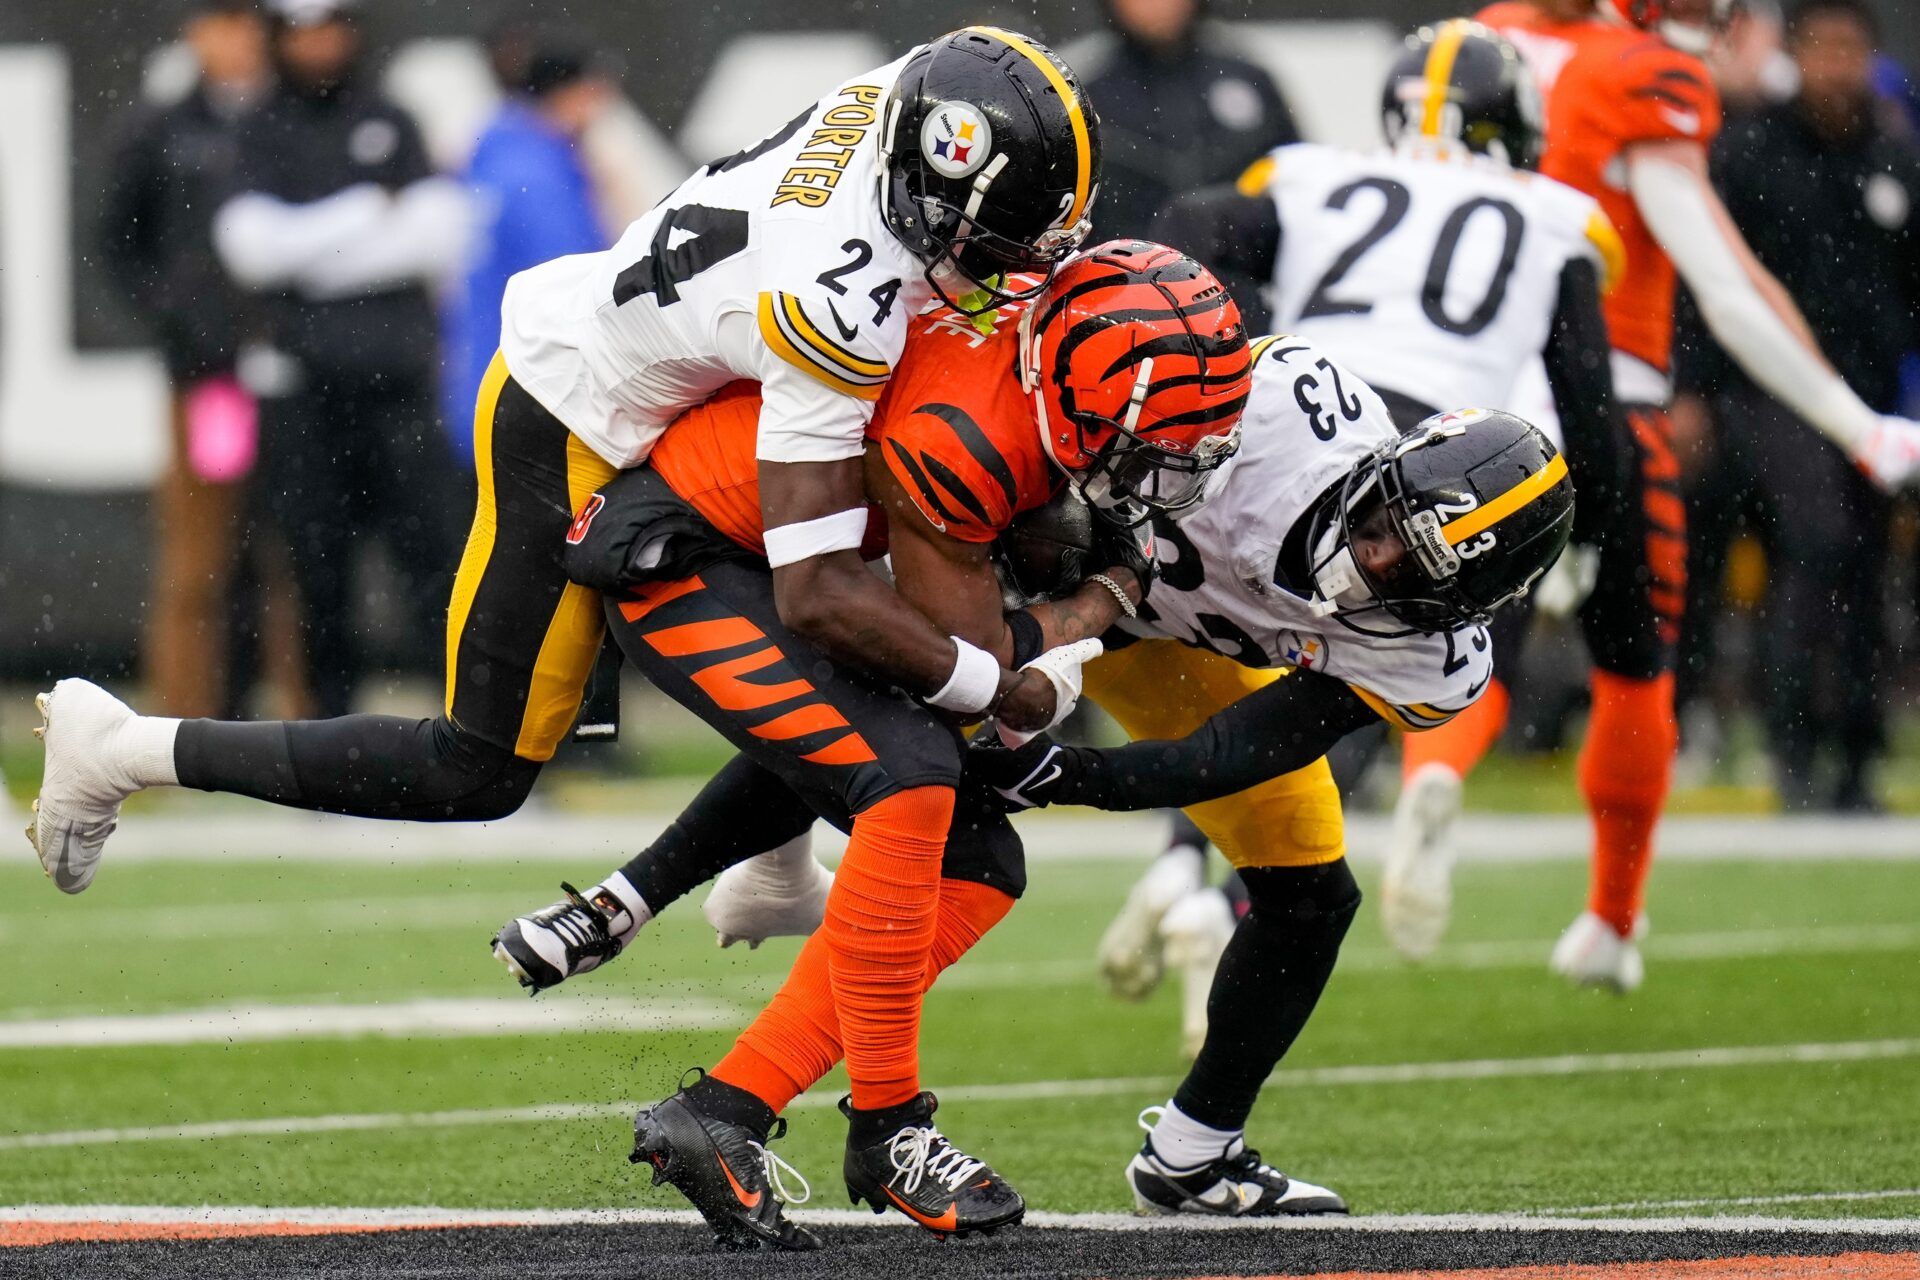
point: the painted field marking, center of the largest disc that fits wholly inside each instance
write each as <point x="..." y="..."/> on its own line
<point x="1315" y="1077"/>
<point x="1810" y="1197"/>
<point x="427" y="1216"/>
<point x="403" y="1019"/>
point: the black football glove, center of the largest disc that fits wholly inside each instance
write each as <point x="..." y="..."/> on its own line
<point x="1129" y="549"/>
<point x="1024" y="777"/>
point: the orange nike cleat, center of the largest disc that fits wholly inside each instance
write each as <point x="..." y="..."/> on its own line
<point x="725" y="1170"/>
<point x="896" y="1158"/>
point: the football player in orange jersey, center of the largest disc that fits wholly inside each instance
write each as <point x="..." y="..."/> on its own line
<point x="1630" y="109"/>
<point x="1126" y="379"/>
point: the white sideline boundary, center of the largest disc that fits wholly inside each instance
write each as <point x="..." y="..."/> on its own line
<point x="1811" y="1197"/>
<point x="543" y="834"/>
<point x="399" y="1218"/>
<point x="1150" y="1086"/>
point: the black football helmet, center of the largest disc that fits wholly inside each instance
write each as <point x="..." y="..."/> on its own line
<point x="1483" y="504"/>
<point x="1462" y="82"/>
<point x="992" y="162"/>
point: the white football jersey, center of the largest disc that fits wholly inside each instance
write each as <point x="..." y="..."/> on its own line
<point x="1432" y="273"/>
<point x="774" y="265"/>
<point x="1307" y="422"/>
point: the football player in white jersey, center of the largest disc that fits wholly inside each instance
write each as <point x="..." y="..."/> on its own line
<point x="1438" y="268"/>
<point x="1339" y="574"/>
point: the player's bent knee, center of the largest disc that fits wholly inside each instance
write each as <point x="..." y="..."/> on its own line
<point x="474" y="780"/>
<point x="1314" y="905"/>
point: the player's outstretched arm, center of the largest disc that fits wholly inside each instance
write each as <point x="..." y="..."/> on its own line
<point x="826" y="593"/>
<point x="1752" y="316"/>
<point x="1284" y="726"/>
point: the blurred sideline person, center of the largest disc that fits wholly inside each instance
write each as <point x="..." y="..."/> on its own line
<point x="534" y="200"/>
<point x="1825" y="195"/>
<point x="1630" y="111"/>
<point x="170" y="172"/>
<point x="1437" y="270"/>
<point x="776" y="264"/>
<point x="1179" y="112"/>
<point x="1120" y="390"/>
<point x="341" y="226"/>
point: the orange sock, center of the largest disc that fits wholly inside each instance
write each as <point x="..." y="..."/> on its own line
<point x="796" y="1039"/>
<point x="1625" y="769"/>
<point x="1462" y="742"/>
<point x="877" y="933"/>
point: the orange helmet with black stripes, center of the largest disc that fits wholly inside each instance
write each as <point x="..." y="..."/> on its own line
<point x="1138" y="366"/>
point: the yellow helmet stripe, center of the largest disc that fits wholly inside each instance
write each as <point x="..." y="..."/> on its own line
<point x="1485" y="517"/>
<point x="1439" y="73"/>
<point x="1258" y="176"/>
<point x="1076" y="115"/>
<point x="1261" y="347"/>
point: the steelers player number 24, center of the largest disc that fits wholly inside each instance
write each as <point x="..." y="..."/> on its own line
<point x="1396" y="201"/>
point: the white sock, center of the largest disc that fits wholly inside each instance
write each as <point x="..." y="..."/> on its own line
<point x="1182" y="1142"/>
<point x="146" y="751"/>
<point x="634" y="911"/>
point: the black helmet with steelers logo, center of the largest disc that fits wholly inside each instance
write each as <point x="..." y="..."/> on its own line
<point x="992" y="163"/>
<point x="1465" y="83"/>
<point x="1481" y="501"/>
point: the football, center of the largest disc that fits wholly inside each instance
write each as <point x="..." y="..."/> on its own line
<point x="1043" y="554"/>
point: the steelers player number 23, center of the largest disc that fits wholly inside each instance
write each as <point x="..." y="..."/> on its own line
<point x="1183" y="571"/>
<point x="1396" y="201"/>
<point x="714" y="236"/>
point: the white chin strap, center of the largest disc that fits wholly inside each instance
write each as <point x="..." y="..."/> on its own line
<point x="1337" y="583"/>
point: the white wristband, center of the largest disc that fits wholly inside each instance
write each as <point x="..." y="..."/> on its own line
<point x="792" y="543"/>
<point x="975" y="679"/>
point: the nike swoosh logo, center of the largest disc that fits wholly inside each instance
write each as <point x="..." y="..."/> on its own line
<point x="1684" y="121"/>
<point x="847" y="334"/>
<point x="948" y="1221"/>
<point x="739" y="1192"/>
<point x="63" y="873"/>
<point x="1473" y="690"/>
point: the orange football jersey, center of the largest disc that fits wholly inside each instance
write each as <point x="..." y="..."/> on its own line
<point x="953" y="426"/>
<point x="1607" y="87"/>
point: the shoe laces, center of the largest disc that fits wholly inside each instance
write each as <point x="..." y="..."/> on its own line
<point x="578" y="922"/>
<point x="778" y="1171"/>
<point x="921" y="1151"/>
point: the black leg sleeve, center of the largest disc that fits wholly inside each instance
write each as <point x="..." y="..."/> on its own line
<point x="744" y="811"/>
<point x="1267" y="985"/>
<point x="366" y="766"/>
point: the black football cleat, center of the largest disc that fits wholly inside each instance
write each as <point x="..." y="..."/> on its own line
<point x="575" y="935"/>
<point x="909" y="1165"/>
<point x="1234" y="1186"/>
<point x="725" y="1171"/>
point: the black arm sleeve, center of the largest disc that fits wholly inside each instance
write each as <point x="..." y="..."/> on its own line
<point x="1285" y="726"/>
<point x="1590" y="421"/>
<point x="1236" y="236"/>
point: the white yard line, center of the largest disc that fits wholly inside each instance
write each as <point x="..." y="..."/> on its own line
<point x="585" y="842"/>
<point x="426" y="1216"/>
<point x="404" y="1019"/>
<point x="1709" y="1202"/>
<point x="1146" y="1086"/>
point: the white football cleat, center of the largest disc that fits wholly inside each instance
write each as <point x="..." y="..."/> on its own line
<point x="1591" y="954"/>
<point x="1235" y="1185"/>
<point x="1130" y="955"/>
<point x="94" y="752"/>
<point x="1194" y="932"/>
<point x="781" y="893"/>
<point x="1891" y="454"/>
<point x="1416" y="890"/>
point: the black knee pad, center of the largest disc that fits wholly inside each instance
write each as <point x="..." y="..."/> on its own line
<point x="1313" y="905"/>
<point x="476" y="780"/>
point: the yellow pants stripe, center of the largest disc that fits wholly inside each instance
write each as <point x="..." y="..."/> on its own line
<point x="572" y="643"/>
<point x="473" y="561"/>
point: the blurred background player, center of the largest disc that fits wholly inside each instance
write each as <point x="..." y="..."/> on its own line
<point x="171" y="170"/>
<point x="534" y="199"/>
<point x="341" y="227"/>
<point x="1630" y="110"/>
<point x="1437" y="269"/>
<point x="1178" y="111"/>
<point x="1825" y="194"/>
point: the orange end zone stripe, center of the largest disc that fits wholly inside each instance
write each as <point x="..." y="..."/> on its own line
<point x="20" y="1235"/>
<point x="1842" y="1266"/>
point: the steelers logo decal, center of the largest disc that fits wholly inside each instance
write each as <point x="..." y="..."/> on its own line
<point x="955" y="139"/>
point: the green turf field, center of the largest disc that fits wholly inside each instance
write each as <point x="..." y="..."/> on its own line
<point x="1746" y="955"/>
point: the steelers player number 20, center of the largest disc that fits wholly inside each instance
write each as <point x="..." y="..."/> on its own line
<point x="714" y="235"/>
<point x="1396" y="200"/>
